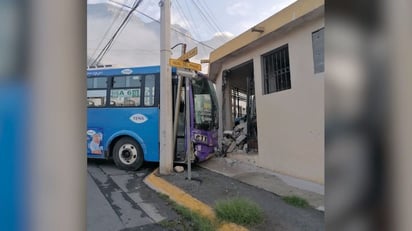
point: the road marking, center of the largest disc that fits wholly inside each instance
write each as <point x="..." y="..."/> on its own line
<point x="131" y="214"/>
<point x="122" y="181"/>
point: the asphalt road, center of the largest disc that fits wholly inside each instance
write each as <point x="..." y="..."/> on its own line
<point x="119" y="200"/>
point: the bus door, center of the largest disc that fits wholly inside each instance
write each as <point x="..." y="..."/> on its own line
<point x="180" y="143"/>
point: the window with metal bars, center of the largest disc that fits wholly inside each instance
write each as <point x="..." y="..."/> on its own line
<point x="276" y="71"/>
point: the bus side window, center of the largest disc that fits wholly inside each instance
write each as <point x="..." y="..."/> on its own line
<point x="90" y="103"/>
<point x="96" y="93"/>
<point x="125" y="97"/>
<point x="126" y="91"/>
<point x="149" y="90"/>
<point x="129" y="102"/>
<point x="96" y="98"/>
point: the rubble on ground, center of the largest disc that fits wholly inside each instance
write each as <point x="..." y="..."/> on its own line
<point x="236" y="140"/>
<point x="179" y="169"/>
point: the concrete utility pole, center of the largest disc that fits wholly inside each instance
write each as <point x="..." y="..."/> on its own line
<point x="57" y="123"/>
<point x="166" y="120"/>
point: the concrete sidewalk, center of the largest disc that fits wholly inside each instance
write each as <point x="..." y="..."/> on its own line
<point x="243" y="167"/>
<point x="230" y="177"/>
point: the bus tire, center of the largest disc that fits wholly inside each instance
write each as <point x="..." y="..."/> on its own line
<point x="127" y="154"/>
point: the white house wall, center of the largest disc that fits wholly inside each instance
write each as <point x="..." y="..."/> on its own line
<point x="291" y="122"/>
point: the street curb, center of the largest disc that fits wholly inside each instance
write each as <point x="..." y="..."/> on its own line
<point x="184" y="199"/>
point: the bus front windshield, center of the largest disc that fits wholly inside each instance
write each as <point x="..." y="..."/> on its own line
<point x="205" y="105"/>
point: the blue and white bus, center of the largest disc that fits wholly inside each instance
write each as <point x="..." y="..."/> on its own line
<point x="123" y="116"/>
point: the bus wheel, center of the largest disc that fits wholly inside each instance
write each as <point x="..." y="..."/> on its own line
<point x="127" y="154"/>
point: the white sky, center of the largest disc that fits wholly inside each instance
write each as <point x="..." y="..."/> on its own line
<point x="231" y="16"/>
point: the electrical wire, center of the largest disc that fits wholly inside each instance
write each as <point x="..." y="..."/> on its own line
<point x="180" y="10"/>
<point x="105" y="34"/>
<point x="172" y="28"/>
<point x="195" y="28"/>
<point x="203" y="17"/>
<point x="106" y="48"/>
<point x="119" y="30"/>
<point x="207" y="20"/>
<point x="210" y="15"/>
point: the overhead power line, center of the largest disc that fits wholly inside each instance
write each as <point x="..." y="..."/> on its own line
<point x="174" y="29"/>
<point x="117" y="15"/>
<point x="208" y="19"/>
<point x="210" y="15"/>
<point x="119" y="29"/>
<point x="178" y="8"/>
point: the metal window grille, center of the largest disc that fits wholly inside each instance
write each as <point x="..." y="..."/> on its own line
<point x="238" y="103"/>
<point x="276" y="70"/>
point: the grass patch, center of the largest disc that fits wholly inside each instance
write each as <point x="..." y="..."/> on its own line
<point x="197" y="222"/>
<point x="296" y="201"/>
<point x="189" y="220"/>
<point x="240" y="211"/>
<point x="164" y="197"/>
<point x="170" y="224"/>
